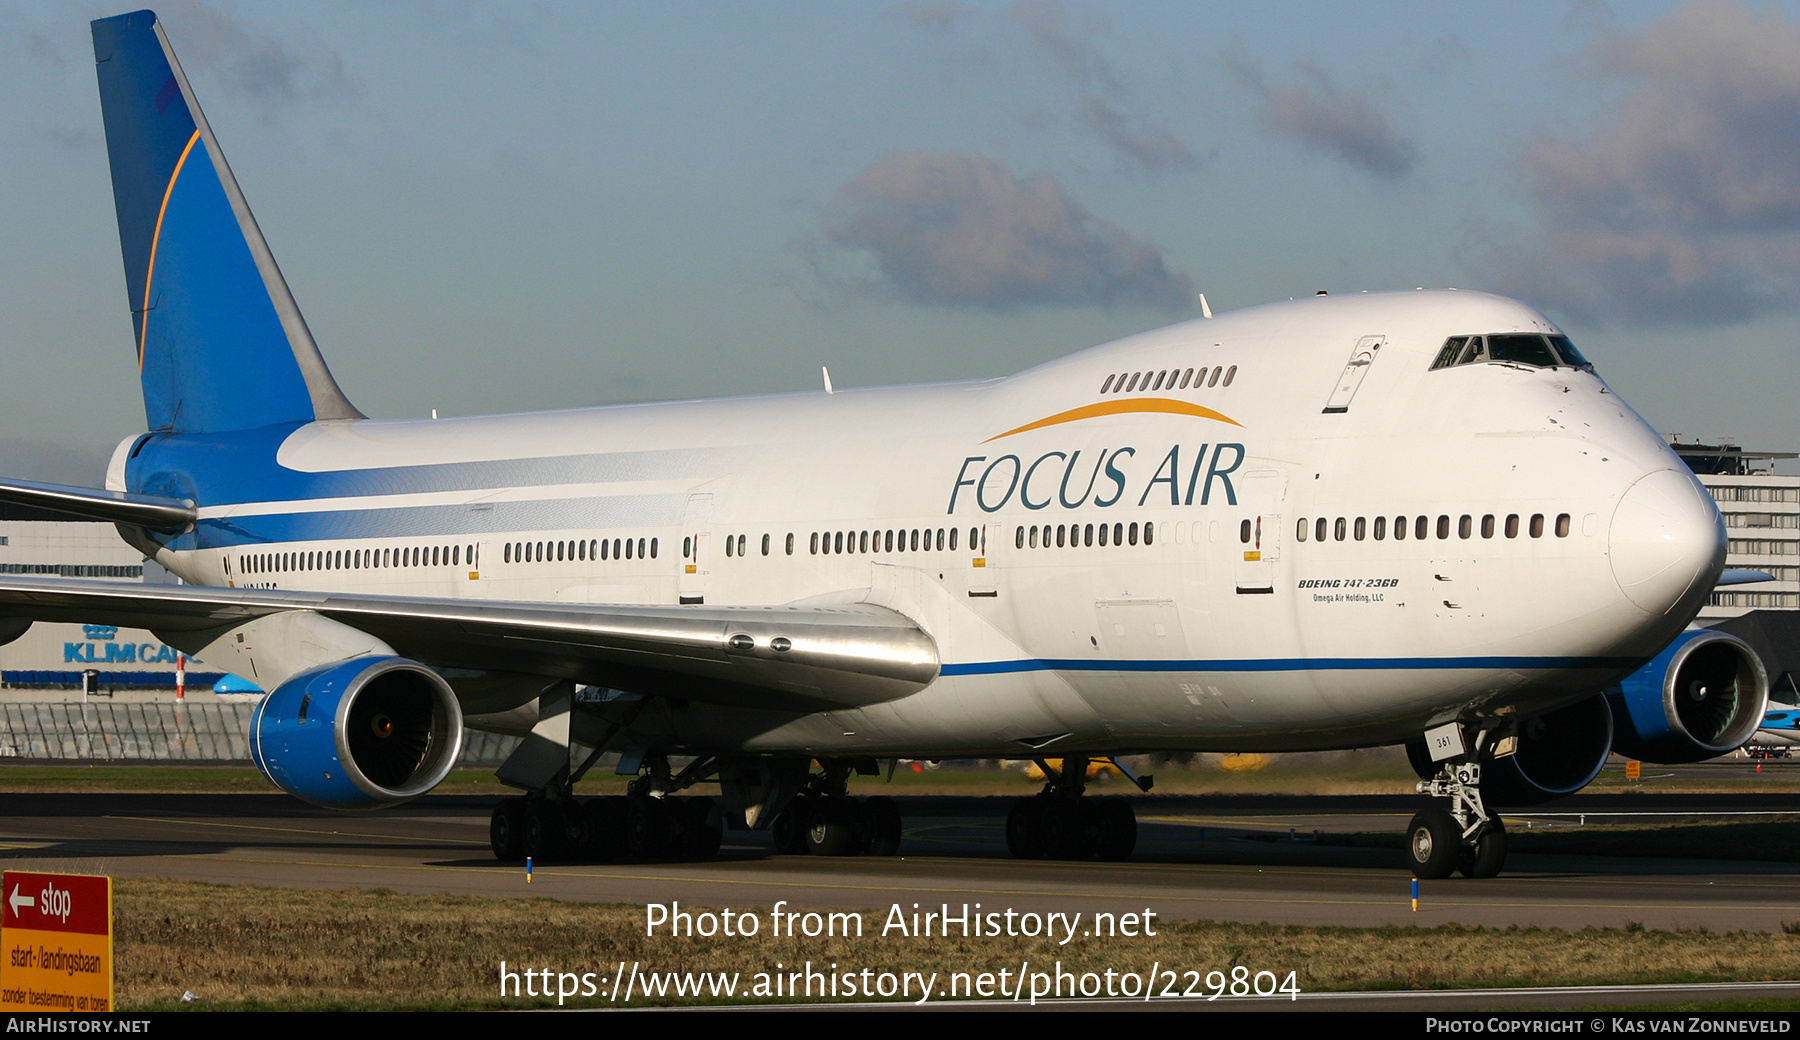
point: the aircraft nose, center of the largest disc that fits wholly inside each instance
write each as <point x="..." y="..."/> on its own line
<point x="1666" y="539"/>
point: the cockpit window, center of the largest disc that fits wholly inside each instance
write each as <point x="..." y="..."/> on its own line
<point x="1523" y="349"/>
<point x="1519" y="348"/>
<point x="1568" y="353"/>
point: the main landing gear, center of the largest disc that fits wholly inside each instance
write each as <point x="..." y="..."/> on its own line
<point x="1059" y="822"/>
<point x="824" y="820"/>
<point x="1463" y="838"/>
<point x="648" y="823"/>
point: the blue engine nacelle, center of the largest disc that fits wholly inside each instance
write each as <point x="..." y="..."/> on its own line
<point x="358" y="734"/>
<point x="1701" y="697"/>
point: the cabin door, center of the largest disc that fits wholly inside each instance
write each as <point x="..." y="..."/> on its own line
<point x="1259" y="532"/>
<point x="696" y="530"/>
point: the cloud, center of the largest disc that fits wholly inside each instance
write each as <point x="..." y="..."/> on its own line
<point x="1106" y="104"/>
<point x="1152" y="149"/>
<point x="959" y="230"/>
<point x="1351" y="126"/>
<point x="939" y="17"/>
<point x="82" y="465"/>
<point x="255" y="65"/>
<point x="43" y="50"/>
<point x="1683" y="202"/>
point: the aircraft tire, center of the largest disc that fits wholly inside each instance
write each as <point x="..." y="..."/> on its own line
<point x="545" y="833"/>
<point x="646" y="827"/>
<point x="704" y="830"/>
<point x="602" y="837"/>
<point x="1433" y="844"/>
<point x="832" y="828"/>
<point x="506" y="831"/>
<point x="789" y="827"/>
<point x="1488" y="856"/>
<point x="1118" y="829"/>
<point x="885" y="825"/>
<point x="1071" y="828"/>
<point x="1025" y="829"/>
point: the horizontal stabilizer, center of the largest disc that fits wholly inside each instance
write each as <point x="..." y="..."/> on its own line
<point x="778" y="658"/>
<point x="1743" y="577"/>
<point x="121" y="507"/>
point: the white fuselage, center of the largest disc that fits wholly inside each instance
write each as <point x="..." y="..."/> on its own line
<point x="1186" y="636"/>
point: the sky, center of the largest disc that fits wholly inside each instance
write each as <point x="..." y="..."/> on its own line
<point x="502" y="207"/>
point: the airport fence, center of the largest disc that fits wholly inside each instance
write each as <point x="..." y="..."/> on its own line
<point x="163" y="732"/>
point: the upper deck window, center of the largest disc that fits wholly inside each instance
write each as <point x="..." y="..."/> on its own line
<point x="1519" y="348"/>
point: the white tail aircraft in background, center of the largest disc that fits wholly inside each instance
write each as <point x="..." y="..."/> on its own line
<point x="1403" y="518"/>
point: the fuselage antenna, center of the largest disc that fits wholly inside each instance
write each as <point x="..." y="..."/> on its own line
<point x="1205" y="308"/>
<point x="827" y="372"/>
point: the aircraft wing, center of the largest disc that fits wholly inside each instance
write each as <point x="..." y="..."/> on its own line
<point x="785" y="658"/>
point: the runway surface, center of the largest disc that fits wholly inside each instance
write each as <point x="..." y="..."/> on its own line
<point x="1228" y="859"/>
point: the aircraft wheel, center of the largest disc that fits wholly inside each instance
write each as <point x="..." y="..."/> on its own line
<point x="1489" y="854"/>
<point x="789" y="828"/>
<point x="705" y="828"/>
<point x="1071" y="828"/>
<point x="546" y="830"/>
<point x="1118" y="829"/>
<point x="832" y="829"/>
<point x="1025" y="829"/>
<point x="884" y="825"/>
<point x="1433" y="844"/>
<point x="646" y="827"/>
<point x="506" y="831"/>
<point x="602" y="837"/>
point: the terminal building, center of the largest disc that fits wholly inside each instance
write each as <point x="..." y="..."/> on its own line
<point x="1762" y="525"/>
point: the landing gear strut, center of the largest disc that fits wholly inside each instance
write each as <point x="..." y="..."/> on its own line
<point x="1060" y="823"/>
<point x="824" y="820"/>
<point x="648" y="823"/>
<point x="1463" y="838"/>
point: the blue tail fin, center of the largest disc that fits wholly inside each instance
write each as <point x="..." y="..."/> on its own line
<point x="220" y="342"/>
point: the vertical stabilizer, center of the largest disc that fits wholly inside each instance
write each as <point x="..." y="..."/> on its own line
<point x="220" y="343"/>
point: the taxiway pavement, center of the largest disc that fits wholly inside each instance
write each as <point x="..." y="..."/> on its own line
<point x="1243" y="859"/>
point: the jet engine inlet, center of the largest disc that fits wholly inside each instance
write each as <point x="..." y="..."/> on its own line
<point x="1559" y="753"/>
<point x="358" y="734"/>
<point x="1702" y="696"/>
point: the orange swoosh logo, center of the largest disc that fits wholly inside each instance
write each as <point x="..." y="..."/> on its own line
<point x="155" y="240"/>
<point x="1143" y="404"/>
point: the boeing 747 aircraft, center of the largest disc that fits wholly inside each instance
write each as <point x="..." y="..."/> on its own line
<point x="1412" y="518"/>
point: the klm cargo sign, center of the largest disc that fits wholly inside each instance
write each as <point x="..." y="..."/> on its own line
<point x="59" y="655"/>
<point x="102" y="646"/>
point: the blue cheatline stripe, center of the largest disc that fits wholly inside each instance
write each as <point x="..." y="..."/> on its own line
<point x="1290" y="664"/>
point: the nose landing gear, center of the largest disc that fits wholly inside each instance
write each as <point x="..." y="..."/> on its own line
<point x="1465" y="838"/>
